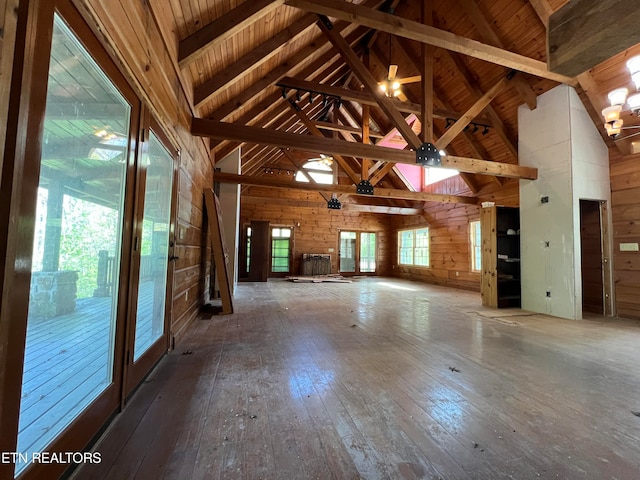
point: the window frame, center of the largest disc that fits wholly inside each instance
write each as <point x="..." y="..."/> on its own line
<point x="417" y="250"/>
<point x="475" y="249"/>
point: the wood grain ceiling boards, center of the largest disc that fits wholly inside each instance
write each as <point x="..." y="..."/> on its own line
<point x="247" y="96"/>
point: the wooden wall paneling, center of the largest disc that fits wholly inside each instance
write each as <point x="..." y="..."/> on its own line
<point x="625" y="211"/>
<point x="319" y="227"/>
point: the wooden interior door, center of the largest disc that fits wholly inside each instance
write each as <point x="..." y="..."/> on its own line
<point x="259" y="255"/>
<point x="591" y="257"/>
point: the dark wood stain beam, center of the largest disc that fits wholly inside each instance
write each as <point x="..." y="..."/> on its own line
<point x="209" y="128"/>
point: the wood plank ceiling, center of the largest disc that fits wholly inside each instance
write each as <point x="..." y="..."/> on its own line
<point x="481" y="59"/>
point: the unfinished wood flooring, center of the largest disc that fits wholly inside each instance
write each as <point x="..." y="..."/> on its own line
<point x="383" y="379"/>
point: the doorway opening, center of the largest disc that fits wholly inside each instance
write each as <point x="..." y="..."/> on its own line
<point x="357" y="252"/>
<point x="593" y="260"/>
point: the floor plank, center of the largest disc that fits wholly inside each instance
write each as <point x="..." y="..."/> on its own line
<point x="383" y="379"/>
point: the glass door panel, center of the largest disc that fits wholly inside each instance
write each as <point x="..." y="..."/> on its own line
<point x="280" y="250"/>
<point x="367" y="252"/>
<point x="156" y="175"/>
<point x="77" y="249"/>
<point x="348" y="252"/>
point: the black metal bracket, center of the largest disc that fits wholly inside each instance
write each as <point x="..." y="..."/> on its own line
<point x="428" y="155"/>
<point x="326" y="22"/>
<point x="334" y="204"/>
<point x="364" y="188"/>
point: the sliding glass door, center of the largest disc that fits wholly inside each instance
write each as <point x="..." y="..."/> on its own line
<point x="357" y="252"/>
<point x="71" y="329"/>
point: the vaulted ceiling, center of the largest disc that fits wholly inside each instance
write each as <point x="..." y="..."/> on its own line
<point x="289" y="79"/>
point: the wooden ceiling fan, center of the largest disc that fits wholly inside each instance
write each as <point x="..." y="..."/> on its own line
<point x="391" y="85"/>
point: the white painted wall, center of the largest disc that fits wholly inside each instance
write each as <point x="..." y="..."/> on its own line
<point x="230" y="206"/>
<point x="560" y="139"/>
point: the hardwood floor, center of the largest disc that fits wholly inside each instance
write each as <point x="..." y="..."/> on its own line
<point x="383" y="379"/>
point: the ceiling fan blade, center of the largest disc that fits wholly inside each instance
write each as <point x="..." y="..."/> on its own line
<point x="393" y="70"/>
<point x="414" y="79"/>
<point x="401" y="96"/>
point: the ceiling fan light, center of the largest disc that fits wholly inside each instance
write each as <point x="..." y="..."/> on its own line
<point x="618" y="96"/>
<point x="383" y="87"/>
<point x="395" y="85"/>
<point x="612" y="113"/>
<point x="636" y="79"/>
<point x="634" y="102"/>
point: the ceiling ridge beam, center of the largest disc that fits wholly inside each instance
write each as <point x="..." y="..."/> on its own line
<point x="221" y="29"/>
<point x="431" y="35"/>
<point x="210" y="128"/>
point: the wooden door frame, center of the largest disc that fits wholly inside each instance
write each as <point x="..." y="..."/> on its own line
<point x="136" y="370"/>
<point x="18" y="192"/>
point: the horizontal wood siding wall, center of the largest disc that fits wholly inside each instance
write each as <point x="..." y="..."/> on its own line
<point x="450" y="252"/>
<point x="319" y="227"/>
<point x="130" y="32"/>
<point x="625" y="210"/>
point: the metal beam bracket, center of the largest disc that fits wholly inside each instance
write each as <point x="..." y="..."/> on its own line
<point x="364" y="188"/>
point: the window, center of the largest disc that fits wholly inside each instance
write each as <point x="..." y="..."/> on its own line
<point x="280" y="243"/>
<point x="433" y="175"/>
<point x="476" y="246"/>
<point x="319" y="169"/>
<point x="413" y="247"/>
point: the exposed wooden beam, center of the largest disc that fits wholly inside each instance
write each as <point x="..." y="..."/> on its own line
<point x="365" y="99"/>
<point x="272" y="106"/>
<point x="425" y="34"/>
<point x="284" y="69"/>
<point x="317" y="133"/>
<point x="223" y="28"/>
<point x="583" y="33"/>
<point x="303" y="171"/>
<point x="255" y="58"/>
<point x="370" y="83"/>
<point x="351" y="207"/>
<point x="336" y="127"/>
<point x="439" y="100"/>
<point x="209" y="128"/>
<point x="543" y="9"/>
<point x="343" y="189"/>
<point x="453" y="131"/>
<point x="426" y="113"/>
<point x="490" y="36"/>
<point x="496" y="121"/>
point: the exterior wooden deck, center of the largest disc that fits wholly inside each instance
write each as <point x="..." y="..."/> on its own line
<point x="383" y="379"/>
<point x="65" y="366"/>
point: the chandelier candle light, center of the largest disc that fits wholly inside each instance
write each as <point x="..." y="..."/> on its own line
<point x="617" y="99"/>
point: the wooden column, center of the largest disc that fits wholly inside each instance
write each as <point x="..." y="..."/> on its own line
<point x="53" y="229"/>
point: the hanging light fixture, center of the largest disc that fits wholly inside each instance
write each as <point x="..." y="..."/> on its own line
<point x="618" y="98"/>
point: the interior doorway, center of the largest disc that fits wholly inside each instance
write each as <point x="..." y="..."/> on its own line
<point x="592" y="258"/>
